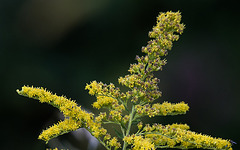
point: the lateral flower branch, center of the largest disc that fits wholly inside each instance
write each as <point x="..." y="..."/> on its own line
<point x="126" y="108"/>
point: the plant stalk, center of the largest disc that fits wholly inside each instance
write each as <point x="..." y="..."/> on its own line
<point x="129" y="126"/>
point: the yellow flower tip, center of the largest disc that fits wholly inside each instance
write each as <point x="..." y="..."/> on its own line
<point x="181" y="126"/>
<point x="107" y="137"/>
<point x="105" y="101"/>
<point x="140" y="143"/>
<point x="114" y="143"/>
<point x="126" y="119"/>
<point x="67" y="106"/>
<point x="52" y="149"/>
<point x="34" y="92"/>
<point x="140" y="125"/>
<point x="178" y="134"/>
<point x="58" y="129"/>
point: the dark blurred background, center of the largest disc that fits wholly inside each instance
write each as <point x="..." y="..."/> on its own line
<point x="64" y="44"/>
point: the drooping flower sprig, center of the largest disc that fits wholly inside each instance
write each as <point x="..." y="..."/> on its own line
<point x="126" y="108"/>
<point x="75" y="117"/>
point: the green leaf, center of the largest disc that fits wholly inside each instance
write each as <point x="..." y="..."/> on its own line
<point x="135" y="122"/>
<point x="120" y="135"/>
<point x="123" y="126"/>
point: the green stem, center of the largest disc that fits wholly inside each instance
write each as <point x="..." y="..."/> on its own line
<point x="129" y="126"/>
<point x="123" y="131"/>
<point x="108" y="122"/>
<point x="104" y="144"/>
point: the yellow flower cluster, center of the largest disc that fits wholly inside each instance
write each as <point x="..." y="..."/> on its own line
<point x="181" y="126"/>
<point x="53" y="149"/>
<point x="111" y="142"/>
<point x="104" y="101"/>
<point x="139" y="142"/>
<point x="102" y="89"/>
<point x="68" y="107"/>
<point x="131" y="80"/>
<point x="143" y="91"/>
<point x="100" y="117"/>
<point x="107" y="96"/>
<point x="126" y="119"/>
<point x="163" y="109"/>
<point x="114" y="143"/>
<point x="163" y="33"/>
<point x="60" y="128"/>
<point x="96" y="129"/>
<point x="107" y="102"/>
<point x="115" y="115"/>
<point x="76" y="116"/>
<point x="178" y="136"/>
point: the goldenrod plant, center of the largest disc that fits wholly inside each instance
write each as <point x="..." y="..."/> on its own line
<point x="126" y="108"/>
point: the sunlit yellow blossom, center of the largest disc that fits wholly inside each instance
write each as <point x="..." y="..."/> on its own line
<point x="184" y="138"/>
<point x="128" y="139"/>
<point x="140" y="125"/>
<point x="107" y="137"/>
<point x="130" y="80"/>
<point x="52" y="149"/>
<point x="68" y="107"/>
<point x="140" y="143"/>
<point x="126" y="118"/>
<point x="100" y="117"/>
<point x="98" y="89"/>
<point x="163" y="109"/>
<point x="93" y="88"/>
<point x="104" y="101"/>
<point x="58" y="129"/>
<point x="114" y="143"/>
<point x="181" y="126"/>
<point x="115" y="115"/>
